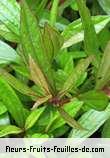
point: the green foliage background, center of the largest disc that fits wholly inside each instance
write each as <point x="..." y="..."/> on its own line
<point x="55" y="68"/>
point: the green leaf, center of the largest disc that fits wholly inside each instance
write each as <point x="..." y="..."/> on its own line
<point x="9" y="129"/>
<point x="29" y="33"/>
<point x="64" y="61"/>
<point x="79" y="70"/>
<point x="92" y="121"/>
<point x="62" y="6"/>
<point x="38" y="77"/>
<point x="104" y="37"/>
<point x="103" y="75"/>
<point x="60" y="131"/>
<point x="106" y="129"/>
<point x="105" y="4"/>
<point x="48" y="116"/>
<point x="69" y="120"/>
<point x="53" y="41"/>
<point x="74" y="32"/>
<point x="60" y="24"/>
<point x="17" y="84"/>
<point x="38" y="90"/>
<point x="21" y="69"/>
<point x="54" y="12"/>
<point x="7" y="54"/>
<point x="33" y="117"/>
<point x="78" y="54"/>
<point x="95" y="99"/>
<point x="90" y="37"/>
<point x="41" y="100"/>
<point x="74" y="5"/>
<point x="81" y="80"/>
<point x="10" y="18"/>
<point x="37" y="6"/>
<point x="7" y="34"/>
<point x="12" y="102"/>
<point x="4" y="119"/>
<point x="32" y="42"/>
<point x="39" y="135"/>
<point x="60" y="78"/>
<point x="71" y="108"/>
<point x="3" y="108"/>
<point x="40" y="8"/>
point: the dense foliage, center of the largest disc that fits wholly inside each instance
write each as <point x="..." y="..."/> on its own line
<point x="54" y="68"/>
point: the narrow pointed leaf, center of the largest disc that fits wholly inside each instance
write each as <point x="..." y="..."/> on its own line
<point x="7" y="54"/>
<point x="3" y="108"/>
<point x="106" y="129"/>
<point x="39" y="135"/>
<point x="30" y="33"/>
<point x="97" y="100"/>
<point x="74" y="32"/>
<point x="54" y="12"/>
<point x="7" y="34"/>
<point x="53" y="41"/>
<point x="69" y="120"/>
<point x="71" y="108"/>
<point x="12" y="102"/>
<point x="103" y="75"/>
<point x="33" y="117"/>
<point x="92" y="121"/>
<point x="21" y="69"/>
<point x="75" y="75"/>
<point x="9" y="129"/>
<point x="37" y="76"/>
<point x="41" y="101"/>
<point x="10" y="17"/>
<point x="17" y="84"/>
<point x="105" y="4"/>
<point x="90" y="37"/>
<point x="37" y="6"/>
<point x="32" y="42"/>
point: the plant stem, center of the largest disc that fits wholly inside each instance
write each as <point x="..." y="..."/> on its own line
<point x="54" y="11"/>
